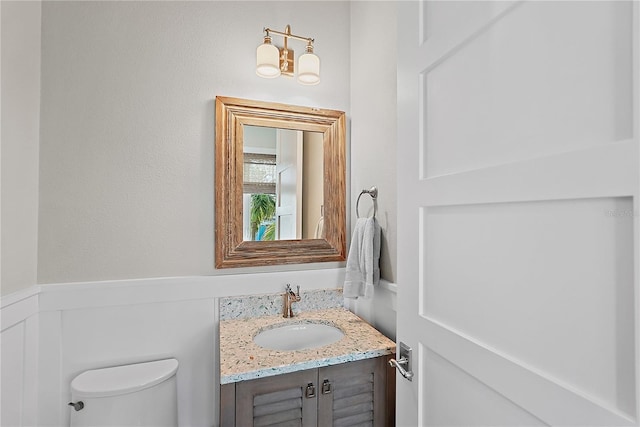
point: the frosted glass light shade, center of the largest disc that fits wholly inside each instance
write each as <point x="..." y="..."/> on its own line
<point x="267" y="61"/>
<point x="309" y="69"/>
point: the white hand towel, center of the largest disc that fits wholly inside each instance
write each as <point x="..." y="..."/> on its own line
<point x="363" y="261"/>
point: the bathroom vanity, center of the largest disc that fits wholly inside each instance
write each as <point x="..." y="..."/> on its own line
<point x="351" y="393"/>
<point x="346" y="382"/>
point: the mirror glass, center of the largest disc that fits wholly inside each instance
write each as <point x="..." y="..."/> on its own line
<point x="282" y="184"/>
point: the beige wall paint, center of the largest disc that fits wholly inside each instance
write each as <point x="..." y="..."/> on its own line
<point x="312" y="183"/>
<point x="373" y="119"/>
<point x="20" y="34"/>
<point x="128" y="88"/>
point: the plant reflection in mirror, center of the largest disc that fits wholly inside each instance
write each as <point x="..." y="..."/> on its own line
<point x="263" y="211"/>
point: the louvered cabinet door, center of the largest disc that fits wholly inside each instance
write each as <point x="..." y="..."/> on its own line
<point x="354" y="394"/>
<point x="281" y="401"/>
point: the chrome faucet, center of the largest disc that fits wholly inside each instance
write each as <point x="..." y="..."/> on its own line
<point x="289" y="298"/>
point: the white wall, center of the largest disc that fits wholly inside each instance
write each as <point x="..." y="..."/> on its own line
<point x="126" y="180"/>
<point x="373" y="115"/>
<point x="20" y="143"/>
<point x="373" y="141"/>
<point x="128" y="88"/>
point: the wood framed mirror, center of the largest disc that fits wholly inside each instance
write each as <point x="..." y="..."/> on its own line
<point x="250" y="133"/>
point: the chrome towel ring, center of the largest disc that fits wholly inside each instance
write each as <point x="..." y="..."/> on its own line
<point x="373" y="192"/>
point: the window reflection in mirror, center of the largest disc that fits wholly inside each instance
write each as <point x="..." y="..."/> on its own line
<point x="282" y="184"/>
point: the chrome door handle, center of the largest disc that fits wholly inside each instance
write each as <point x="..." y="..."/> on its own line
<point x="403" y="364"/>
<point x="398" y="365"/>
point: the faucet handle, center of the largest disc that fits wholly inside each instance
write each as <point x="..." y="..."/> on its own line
<point x="298" y="292"/>
<point x="287" y="288"/>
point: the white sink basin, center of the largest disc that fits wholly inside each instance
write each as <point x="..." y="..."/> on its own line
<point x="298" y="336"/>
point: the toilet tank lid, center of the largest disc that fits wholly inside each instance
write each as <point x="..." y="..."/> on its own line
<point x="125" y="379"/>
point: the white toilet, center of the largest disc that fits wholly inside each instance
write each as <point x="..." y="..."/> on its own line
<point x="143" y="394"/>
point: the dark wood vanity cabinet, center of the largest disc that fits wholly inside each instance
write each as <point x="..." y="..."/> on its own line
<point x="358" y="393"/>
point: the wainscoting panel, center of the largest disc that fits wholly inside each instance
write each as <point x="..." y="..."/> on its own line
<point x="18" y="358"/>
<point x="120" y="335"/>
<point x="12" y="375"/>
<point x="51" y="333"/>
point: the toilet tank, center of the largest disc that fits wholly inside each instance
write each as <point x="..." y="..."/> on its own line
<point x="142" y="394"/>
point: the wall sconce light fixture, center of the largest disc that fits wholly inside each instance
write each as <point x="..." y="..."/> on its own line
<point x="272" y="61"/>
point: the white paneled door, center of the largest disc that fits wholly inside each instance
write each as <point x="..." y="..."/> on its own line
<point x="518" y="212"/>
<point x="288" y="184"/>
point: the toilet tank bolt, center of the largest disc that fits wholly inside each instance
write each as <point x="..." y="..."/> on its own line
<point x="77" y="405"/>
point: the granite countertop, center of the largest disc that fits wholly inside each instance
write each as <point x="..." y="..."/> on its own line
<point x="241" y="359"/>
